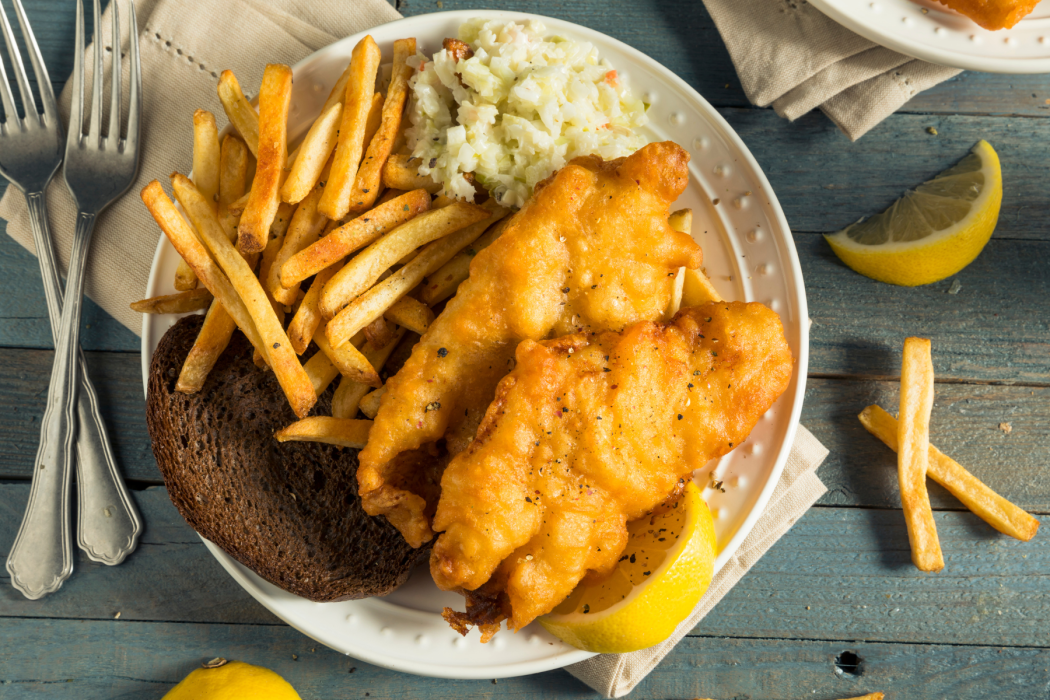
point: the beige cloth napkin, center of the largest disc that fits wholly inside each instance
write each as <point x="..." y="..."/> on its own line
<point x="791" y="56"/>
<point x="184" y="45"/>
<point x="615" y="675"/>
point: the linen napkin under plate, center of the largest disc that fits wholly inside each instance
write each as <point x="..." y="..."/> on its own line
<point x="790" y="55"/>
<point x="181" y="61"/>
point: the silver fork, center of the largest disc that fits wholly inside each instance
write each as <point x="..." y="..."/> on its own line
<point x="98" y="170"/>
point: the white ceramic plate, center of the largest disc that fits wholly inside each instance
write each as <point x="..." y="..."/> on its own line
<point x="928" y="30"/>
<point x="749" y="253"/>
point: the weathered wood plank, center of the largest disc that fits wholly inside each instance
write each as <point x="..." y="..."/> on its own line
<point x="862" y="471"/>
<point x="851" y="567"/>
<point x="23" y="313"/>
<point x="23" y="392"/>
<point x="119" y="659"/>
<point x="825" y="183"/>
<point x="995" y="329"/>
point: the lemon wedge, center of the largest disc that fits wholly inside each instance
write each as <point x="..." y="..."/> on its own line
<point x="663" y="572"/>
<point x="234" y="680"/>
<point x="931" y="232"/>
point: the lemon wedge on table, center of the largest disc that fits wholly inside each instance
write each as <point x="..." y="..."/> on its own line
<point x="663" y="572"/>
<point x="931" y="232"/>
<point x="233" y="680"/>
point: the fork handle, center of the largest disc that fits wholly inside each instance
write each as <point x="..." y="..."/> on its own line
<point x="108" y="524"/>
<point x="42" y="555"/>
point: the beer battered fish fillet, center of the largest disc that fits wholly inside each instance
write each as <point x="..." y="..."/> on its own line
<point x="993" y="14"/>
<point x="590" y="251"/>
<point x="588" y="433"/>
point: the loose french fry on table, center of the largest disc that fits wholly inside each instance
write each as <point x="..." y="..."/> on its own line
<point x="370" y="402"/>
<point x="276" y="348"/>
<point x="333" y="431"/>
<point x="239" y="110"/>
<point x="913" y="454"/>
<point x="211" y="341"/>
<point x="353" y="235"/>
<point x="308" y="316"/>
<point x="350" y="361"/>
<point x="995" y="510"/>
<point x="321" y="371"/>
<point x="373" y="303"/>
<point x="307" y="224"/>
<point x="233" y="181"/>
<point x="402" y="172"/>
<point x="411" y="314"/>
<point x="364" y="269"/>
<point x="185" y="241"/>
<point x="275" y="96"/>
<point x="369" y="175"/>
<point x="178" y="303"/>
<point x="360" y="88"/>
<point x="444" y="282"/>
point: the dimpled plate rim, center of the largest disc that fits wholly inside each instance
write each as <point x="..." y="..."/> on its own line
<point x="747" y="237"/>
<point x="927" y="30"/>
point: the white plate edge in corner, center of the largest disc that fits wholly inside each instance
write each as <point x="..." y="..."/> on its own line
<point x="931" y="32"/>
<point x="382" y="643"/>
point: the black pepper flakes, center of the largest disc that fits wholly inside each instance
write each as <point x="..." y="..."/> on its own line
<point x="442" y="352"/>
<point x="432" y="406"/>
<point x="565" y="290"/>
<point x="276" y="345"/>
<point x="679" y="416"/>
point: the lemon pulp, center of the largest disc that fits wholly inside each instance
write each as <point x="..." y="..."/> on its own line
<point x="931" y="232"/>
<point x="662" y="574"/>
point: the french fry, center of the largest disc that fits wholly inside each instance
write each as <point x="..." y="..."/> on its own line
<point x="178" y="303"/>
<point x="360" y="88"/>
<point x="411" y="314"/>
<point x="365" y="268"/>
<point x="314" y="151"/>
<point x="681" y="220"/>
<point x="332" y="431"/>
<point x="349" y="393"/>
<point x="233" y="180"/>
<point x="389" y="194"/>
<point x="373" y="303"/>
<point x="348" y="360"/>
<point x="369" y="175"/>
<point x="211" y="341"/>
<point x="276" y="348"/>
<point x="206" y="155"/>
<point x="275" y="96"/>
<point x="321" y="371"/>
<point x="370" y="402"/>
<point x="444" y="282"/>
<point x="869" y="696"/>
<point x="995" y="510"/>
<point x="378" y="332"/>
<point x="185" y="241"/>
<point x="696" y="288"/>
<point x="239" y="111"/>
<point x="402" y="172"/>
<point x="308" y="317"/>
<point x="913" y="454"/>
<point x="185" y="280"/>
<point x="237" y="206"/>
<point x="353" y="235"/>
<point x="676" y="294"/>
<point x="307" y="224"/>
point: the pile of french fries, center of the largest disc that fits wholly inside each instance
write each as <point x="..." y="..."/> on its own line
<point x="329" y="245"/>
<point x="909" y="436"/>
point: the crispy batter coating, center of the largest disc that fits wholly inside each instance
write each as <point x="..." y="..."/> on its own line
<point x="590" y="251"/>
<point x="588" y="433"/>
<point x="993" y="14"/>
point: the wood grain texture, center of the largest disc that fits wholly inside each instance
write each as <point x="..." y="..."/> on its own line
<point x="121" y="660"/>
<point x="23" y="392"/>
<point x="851" y="567"/>
<point x="965" y="425"/>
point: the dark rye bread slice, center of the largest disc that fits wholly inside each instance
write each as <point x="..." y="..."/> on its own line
<point x="289" y="512"/>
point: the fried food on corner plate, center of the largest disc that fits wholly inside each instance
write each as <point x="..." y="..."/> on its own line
<point x="590" y="251"/>
<point x="993" y="14"/>
<point x="587" y="434"/>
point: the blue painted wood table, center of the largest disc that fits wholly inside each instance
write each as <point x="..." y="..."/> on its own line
<point x="840" y="581"/>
